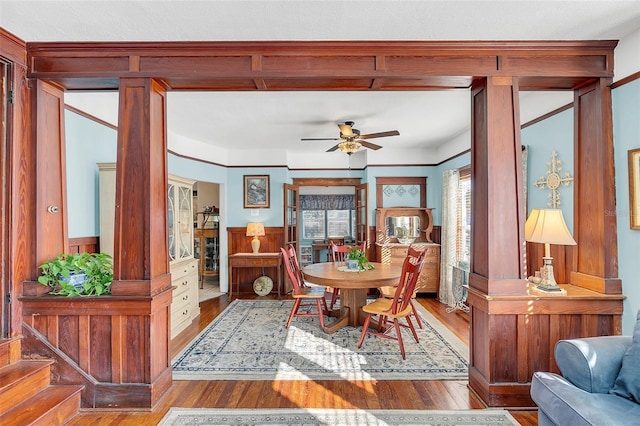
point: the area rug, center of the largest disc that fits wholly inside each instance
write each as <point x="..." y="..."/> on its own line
<point x="310" y="416"/>
<point x="249" y="341"/>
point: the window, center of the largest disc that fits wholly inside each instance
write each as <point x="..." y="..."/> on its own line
<point x="322" y="224"/>
<point x="313" y="224"/>
<point x="463" y="220"/>
<point x="338" y="223"/>
<point x="325" y="216"/>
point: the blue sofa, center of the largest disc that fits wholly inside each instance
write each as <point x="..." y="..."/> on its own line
<point x="581" y="396"/>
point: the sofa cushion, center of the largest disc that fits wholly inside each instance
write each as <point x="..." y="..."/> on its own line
<point x="564" y="404"/>
<point x="592" y="363"/>
<point x="627" y="384"/>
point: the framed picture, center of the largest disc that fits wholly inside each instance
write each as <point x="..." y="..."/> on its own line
<point x="634" y="187"/>
<point x="256" y="192"/>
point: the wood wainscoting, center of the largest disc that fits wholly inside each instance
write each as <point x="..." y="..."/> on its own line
<point x="103" y="344"/>
<point x="84" y="245"/>
<point x="238" y="242"/>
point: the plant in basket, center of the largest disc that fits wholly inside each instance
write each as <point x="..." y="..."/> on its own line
<point x="361" y="257"/>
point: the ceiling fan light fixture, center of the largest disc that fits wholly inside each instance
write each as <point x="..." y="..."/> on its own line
<point x="349" y="147"/>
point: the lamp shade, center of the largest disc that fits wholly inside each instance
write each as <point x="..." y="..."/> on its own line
<point x="255" y="229"/>
<point x="547" y="226"/>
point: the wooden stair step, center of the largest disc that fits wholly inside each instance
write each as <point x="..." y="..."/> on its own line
<point x="55" y="405"/>
<point x="22" y="380"/>
<point x="9" y="351"/>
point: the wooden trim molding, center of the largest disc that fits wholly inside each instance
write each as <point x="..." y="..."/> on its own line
<point x="421" y="181"/>
<point x="327" y="181"/>
<point x="321" y="65"/>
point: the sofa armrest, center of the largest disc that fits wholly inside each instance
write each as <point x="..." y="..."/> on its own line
<point x="592" y="363"/>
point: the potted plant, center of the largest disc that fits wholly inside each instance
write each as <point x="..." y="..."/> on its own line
<point x="79" y="274"/>
<point x="359" y="259"/>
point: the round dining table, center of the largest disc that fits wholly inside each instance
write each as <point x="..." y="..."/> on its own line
<point x="353" y="286"/>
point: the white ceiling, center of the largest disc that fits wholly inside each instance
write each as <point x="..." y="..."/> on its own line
<point x="233" y="122"/>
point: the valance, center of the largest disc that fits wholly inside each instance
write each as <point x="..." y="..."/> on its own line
<point x="327" y="202"/>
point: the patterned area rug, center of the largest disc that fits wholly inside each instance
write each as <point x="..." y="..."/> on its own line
<point x="249" y="341"/>
<point x="213" y="416"/>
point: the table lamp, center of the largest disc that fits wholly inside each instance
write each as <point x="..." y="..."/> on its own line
<point x="255" y="230"/>
<point x="547" y="226"/>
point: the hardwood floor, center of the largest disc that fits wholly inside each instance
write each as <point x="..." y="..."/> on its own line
<point x="399" y="394"/>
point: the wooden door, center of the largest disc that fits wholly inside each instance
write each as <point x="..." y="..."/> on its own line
<point x="4" y="273"/>
<point x="362" y="222"/>
<point x="291" y="214"/>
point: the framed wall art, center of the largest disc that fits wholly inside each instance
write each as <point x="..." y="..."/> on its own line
<point x="256" y="191"/>
<point x="634" y="188"/>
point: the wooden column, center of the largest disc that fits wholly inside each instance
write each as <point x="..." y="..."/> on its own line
<point x="497" y="203"/>
<point x="141" y="264"/>
<point x="594" y="220"/>
<point x="140" y="237"/>
<point x="514" y="329"/>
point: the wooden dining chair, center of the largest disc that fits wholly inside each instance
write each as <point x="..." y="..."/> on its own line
<point x="398" y="307"/>
<point x="389" y="292"/>
<point x="339" y="253"/>
<point x="301" y="291"/>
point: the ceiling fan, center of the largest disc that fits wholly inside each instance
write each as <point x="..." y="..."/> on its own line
<point x="352" y="140"/>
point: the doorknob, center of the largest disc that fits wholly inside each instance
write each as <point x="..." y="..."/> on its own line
<point x="53" y="209"/>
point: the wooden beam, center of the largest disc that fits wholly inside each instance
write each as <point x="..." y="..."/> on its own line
<point x="315" y="65"/>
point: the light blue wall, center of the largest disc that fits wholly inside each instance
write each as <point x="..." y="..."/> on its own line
<point x="553" y="134"/>
<point x="626" y="136"/>
<point x="87" y="143"/>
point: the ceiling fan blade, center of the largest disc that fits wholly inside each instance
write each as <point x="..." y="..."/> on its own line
<point x="320" y="139"/>
<point x="333" y="148"/>
<point x="369" y="145"/>
<point x="380" y="135"/>
<point x="345" y="130"/>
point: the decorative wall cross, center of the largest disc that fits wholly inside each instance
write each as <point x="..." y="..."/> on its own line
<point x="554" y="180"/>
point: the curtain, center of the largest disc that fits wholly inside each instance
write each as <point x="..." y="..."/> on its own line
<point x="449" y="232"/>
<point x="327" y="202"/>
<point x="525" y="184"/>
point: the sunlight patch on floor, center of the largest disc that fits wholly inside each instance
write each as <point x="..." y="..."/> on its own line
<point x="334" y="358"/>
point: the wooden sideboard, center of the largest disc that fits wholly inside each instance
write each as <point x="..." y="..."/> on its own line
<point x="429" y="279"/>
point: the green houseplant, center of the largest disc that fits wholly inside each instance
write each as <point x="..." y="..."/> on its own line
<point x="78" y="274"/>
<point x="361" y="257"/>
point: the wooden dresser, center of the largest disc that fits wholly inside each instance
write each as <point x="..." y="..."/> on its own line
<point x="429" y="279"/>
